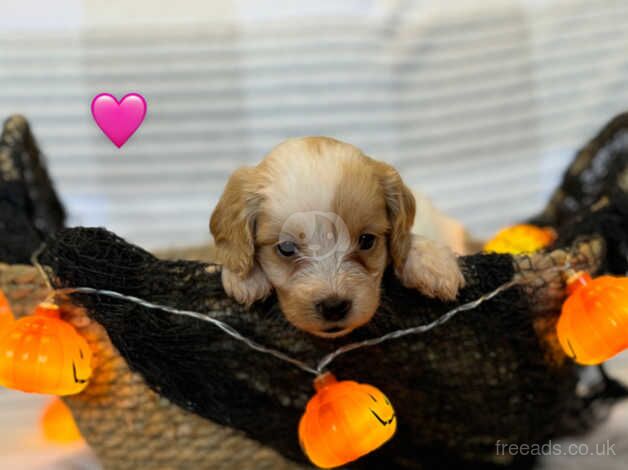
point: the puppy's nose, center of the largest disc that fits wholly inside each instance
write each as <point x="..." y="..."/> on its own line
<point x="333" y="308"/>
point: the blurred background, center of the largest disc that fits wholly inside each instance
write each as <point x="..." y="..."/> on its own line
<point x="479" y="104"/>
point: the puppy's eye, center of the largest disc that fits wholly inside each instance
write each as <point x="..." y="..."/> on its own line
<point x="366" y="241"/>
<point x="287" y="249"/>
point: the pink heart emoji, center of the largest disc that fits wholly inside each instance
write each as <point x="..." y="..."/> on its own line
<point x="118" y="119"/>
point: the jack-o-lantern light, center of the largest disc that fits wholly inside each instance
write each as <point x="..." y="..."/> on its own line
<point x="58" y="425"/>
<point x="344" y="421"/>
<point x="593" y="325"/>
<point x="6" y="315"/>
<point x="41" y="353"/>
<point x="521" y="238"/>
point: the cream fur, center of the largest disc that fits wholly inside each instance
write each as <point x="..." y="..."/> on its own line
<point x="323" y="195"/>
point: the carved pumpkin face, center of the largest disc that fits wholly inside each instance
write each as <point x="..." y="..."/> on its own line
<point x="521" y="238"/>
<point x="6" y="315"/>
<point x="593" y="325"/>
<point x="43" y="354"/>
<point x="344" y="421"/>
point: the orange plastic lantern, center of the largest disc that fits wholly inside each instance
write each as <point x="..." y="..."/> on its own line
<point x="6" y="315"/>
<point x="58" y="424"/>
<point x="593" y="325"/>
<point x="522" y="238"/>
<point x="344" y="421"/>
<point x="43" y="354"/>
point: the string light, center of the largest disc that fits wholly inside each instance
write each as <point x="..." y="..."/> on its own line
<point x="326" y="360"/>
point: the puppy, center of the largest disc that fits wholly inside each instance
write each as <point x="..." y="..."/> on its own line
<point x="318" y="221"/>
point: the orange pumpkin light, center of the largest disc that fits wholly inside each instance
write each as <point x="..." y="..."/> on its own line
<point x="43" y="354"/>
<point x="344" y="421"/>
<point x="6" y="315"/>
<point x="522" y="238"/>
<point x="593" y="325"/>
<point x="58" y="425"/>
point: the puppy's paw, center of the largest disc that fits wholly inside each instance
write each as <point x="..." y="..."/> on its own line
<point x="246" y="290"/>
<point x="432" y="268"/>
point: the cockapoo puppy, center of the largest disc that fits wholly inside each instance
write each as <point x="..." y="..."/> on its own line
<point x="318" y="221"/>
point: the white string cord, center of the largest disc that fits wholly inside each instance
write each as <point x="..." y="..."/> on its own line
<point x="199" y="316"/>
<point x="326" y="360"/>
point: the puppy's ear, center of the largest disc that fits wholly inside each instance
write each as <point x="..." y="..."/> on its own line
<point x="233" y="222"/>
<point x="401" y="207"/>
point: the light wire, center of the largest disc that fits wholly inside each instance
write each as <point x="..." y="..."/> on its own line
<point x="192" y="314"/>
<point x="326" y="360"/>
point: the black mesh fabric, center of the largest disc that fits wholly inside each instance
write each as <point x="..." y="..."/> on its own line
<point x="29" y="206"/>
<point x="484" y="376"/>
<point x="457" y="390"/>
<point x="596" y="173"/>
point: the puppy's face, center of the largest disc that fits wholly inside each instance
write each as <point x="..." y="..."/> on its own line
<point x="320" y="218"/>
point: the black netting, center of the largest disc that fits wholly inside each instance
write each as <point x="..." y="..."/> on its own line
<point x="481" y="377"/>
<point x="29" y="206"/>
<point x="597" y="172"/>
